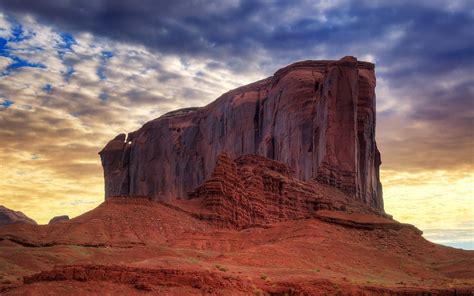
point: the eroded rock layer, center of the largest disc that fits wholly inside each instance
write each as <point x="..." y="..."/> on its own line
<point x="254" y="190"/>
<point x="316" y="116"/>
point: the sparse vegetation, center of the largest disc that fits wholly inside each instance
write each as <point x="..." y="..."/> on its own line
<point x="221" y="268"/>
<point x="256" y="291"/>
<point x="83" y="251"/>
<point x="193" y="260"/>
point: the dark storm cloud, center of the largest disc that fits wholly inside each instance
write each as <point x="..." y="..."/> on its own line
<point x="223" y="27"/>
<point x="170" y="26"/>
<point x="230" y="30"/>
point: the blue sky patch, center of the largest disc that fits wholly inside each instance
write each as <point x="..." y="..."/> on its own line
<point x="6" y="103"/>
<point x="69" y="72"/>
<point x="107" y="54"/>
<point x="48" y="88"/>
<point x="3" y="47"/>
<point x="65" y="45"/>
<point x="104" y="58"/>
<point x="21" y="63"/>
<point x="17" y="35"/>
<point x="104" y="97"/>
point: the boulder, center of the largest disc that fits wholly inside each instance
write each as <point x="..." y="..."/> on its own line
<point x="58" y="219"/>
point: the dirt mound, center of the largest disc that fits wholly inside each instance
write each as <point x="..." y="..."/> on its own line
<point x="119" y="222"/>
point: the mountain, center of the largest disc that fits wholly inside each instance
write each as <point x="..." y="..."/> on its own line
<point x="8" y="216"/>
<point x="273" y="189"/>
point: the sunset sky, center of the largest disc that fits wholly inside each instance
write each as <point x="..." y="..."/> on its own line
<point x="75" y="73"/>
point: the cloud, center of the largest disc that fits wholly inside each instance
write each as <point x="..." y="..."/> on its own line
<point x="221" y="29"/>
<point x="423" y="51"/>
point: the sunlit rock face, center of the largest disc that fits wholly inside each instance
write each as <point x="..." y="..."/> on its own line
<point x="318" y="117"/>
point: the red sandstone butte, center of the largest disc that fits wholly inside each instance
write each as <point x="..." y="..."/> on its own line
<point x="316" y="116"/>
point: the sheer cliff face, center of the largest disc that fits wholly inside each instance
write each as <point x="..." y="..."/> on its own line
<point x="316" y="116"/>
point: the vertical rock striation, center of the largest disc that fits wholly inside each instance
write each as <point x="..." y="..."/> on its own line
<point x="318" y="117"/>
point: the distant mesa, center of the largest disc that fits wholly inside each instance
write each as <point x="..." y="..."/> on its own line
<point x="8" y="216"/>
<point x="58" y="219"/>
<point x="317" y="117"/>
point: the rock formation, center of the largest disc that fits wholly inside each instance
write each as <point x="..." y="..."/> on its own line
<point x="255" y="190"/>
<point x="8" y="216"/>
<point x="58" y="219"/>
<point x="318" y="117"/>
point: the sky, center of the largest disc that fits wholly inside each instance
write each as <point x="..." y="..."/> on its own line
<point x="73" y="74"/>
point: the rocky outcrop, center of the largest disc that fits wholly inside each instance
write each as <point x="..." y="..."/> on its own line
<point x="145" y="279"/>
<point x="254" y="190"/>
<point x="318" y="117"/>
<point x="8" y="216"/>
<point x="58" y="219"/>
